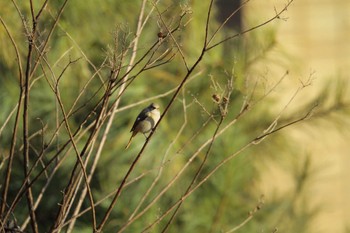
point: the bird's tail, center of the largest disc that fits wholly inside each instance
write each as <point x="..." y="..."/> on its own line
<point x="127" y="146"/>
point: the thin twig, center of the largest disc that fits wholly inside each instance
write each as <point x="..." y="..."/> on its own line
<point x="131" y="218"/>
<point x="194" y="179"/>
<point x="170" y="33"/>
<point x="277" y="16"/>
<point x="206" y="33"/>
<point x="83" y="166"/>
<point x="224" y="161"/>
<point x="224" y="23"/>
<point x="122" y="89"/>
<point x="29" y="195"/>
<point x="219" y="165"/>
<point x="250" y="215"/>
<point x="15" y="127"/>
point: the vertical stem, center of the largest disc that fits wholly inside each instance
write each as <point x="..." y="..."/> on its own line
<point x="29" y="194"/>
<point x="9" y="164"/>
<point x="194" y="178"/>
<point x="15" y="128"/>
<point x="73" y="182"/>
<point x="132" y="60"/>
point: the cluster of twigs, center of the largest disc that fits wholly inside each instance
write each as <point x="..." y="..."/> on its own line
<point x="126" y="64"/>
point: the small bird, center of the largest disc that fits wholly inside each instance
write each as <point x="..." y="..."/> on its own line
<point x="145" y="121"/>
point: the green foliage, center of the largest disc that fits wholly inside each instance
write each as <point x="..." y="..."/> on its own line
<point x="75" y="74"/>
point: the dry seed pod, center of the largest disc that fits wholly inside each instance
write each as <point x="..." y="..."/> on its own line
<point x="216" y="98"/>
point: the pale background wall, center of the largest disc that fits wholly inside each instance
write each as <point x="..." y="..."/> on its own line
<point x="317" y="33"/>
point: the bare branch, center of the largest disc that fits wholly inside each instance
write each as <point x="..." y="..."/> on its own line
<point x="277" y="16"/>
<point x="207" y="43"/>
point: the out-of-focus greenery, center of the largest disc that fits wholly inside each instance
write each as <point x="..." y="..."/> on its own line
<point x="87" y="29"/>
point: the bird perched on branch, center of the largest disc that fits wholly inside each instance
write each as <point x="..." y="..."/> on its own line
<point x="145" y="121"/>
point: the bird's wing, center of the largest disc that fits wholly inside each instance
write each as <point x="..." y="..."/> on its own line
<point x="142" y="116"/>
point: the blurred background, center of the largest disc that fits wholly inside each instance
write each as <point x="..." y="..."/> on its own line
<point x="315" y="36"/>
<point x="295" y="180"/>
